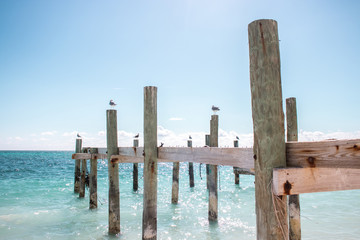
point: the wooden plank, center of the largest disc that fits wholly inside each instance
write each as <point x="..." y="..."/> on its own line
<point x="113" y="172"/>
<point x="324" y="154"/>
<point x="149" y="224"/>
<point x="87" y="156"/>
<point x="288" y="181"/>
<point x="268" y="124"/>
<point x="294" y="201"/>
<point x="82" y="179"/>
<point x="237" y="157"/>
<point x="175" y="183"/>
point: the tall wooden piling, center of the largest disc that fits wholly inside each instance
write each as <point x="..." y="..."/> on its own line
<point x="236" y="172"/>
<point x="191" y="168"/>
<point x="207" y="143"/>
<point x="93" y="182"/>
<point x="268" y="124"/>
<point x="149" y="224"/>
<point x="135" y="169"/>
<point x="294" y="201"/>
<point x="213" y="171"/>
<point x="82" y="178"/>
<point x="175" y="183"/>
<point x="113" y="171"/>
<point x="77" y="166"/>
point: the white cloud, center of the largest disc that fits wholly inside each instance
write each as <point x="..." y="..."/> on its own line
<point x="307" y="136"/>
<point x="176" y="119"/>
<point x="101" y="133"/>
<point x="48" y="133"/>
<point x="70" y="134"/>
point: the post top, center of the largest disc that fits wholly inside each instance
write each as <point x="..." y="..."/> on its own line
<point x="262" y="20"/>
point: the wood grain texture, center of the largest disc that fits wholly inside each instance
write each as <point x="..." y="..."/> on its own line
<point x="268" y="125"/>
<point x="191" y="168"/>
<point x="93" y="181"/>
<point x="307" y="180"/>
<point x="324" y="154"/>
<point x="294" y="201"/>
<point x="77" y="166"/>
<point x="213" y="171"/>
<point x="149" y="224"/>
<point x="135" y="169"/>
<point x="87" y="156"/>
<point x="113" y="172"/>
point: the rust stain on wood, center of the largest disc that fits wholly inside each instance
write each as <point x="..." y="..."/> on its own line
<point x="337" y="147"/>
<point x="311" y="161"/>
<point x="114" y="160"/>
<point x="287" y="187"/>
<point x="262" y="39"/>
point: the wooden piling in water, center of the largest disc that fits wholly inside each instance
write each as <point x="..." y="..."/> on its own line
<point x="135" y="169"/>
<point x="213" y="171"/>
<point x="236" y="172"/>
<point x="268" y="125"/>
<point x="113" y="172"/>
<point x="149" y="224"/>
<point x="207" y="143"/>
<point x="191" y="168"/>
<point x="175" y="183"/>
<point x="82" y="179"/>
<point x="77" y="166"/>
<point x="93" y="182"/>
<point x="294" y="201"/>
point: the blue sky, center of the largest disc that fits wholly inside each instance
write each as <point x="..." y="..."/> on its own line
<point x="62" y="61"/>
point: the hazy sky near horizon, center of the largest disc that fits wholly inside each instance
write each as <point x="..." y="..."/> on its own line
<point x="62" y="61"/>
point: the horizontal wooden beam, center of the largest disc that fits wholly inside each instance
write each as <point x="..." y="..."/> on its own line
<point x="289" y="181"/>
<point x="324" y="154"/>
<point x="237" y="157"/>
<point x="89" y="156"/>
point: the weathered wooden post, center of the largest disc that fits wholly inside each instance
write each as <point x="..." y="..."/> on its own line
<point x="207" y="143"/>
<point x="236" y="172"/>
<point x="93" y="182"/>
<point x="294" y="201"/>
<point x="213" y="173"/>
<point x="175" y="183"/>
<point x="82" y="179"/>
<point x="268" y="124"/>
<point x="191" y="168"/>
<point x="77" y="166"/>
<point x="149" y="225"/>
<point x="113" y="171"/>
<point x="135" y="169"/>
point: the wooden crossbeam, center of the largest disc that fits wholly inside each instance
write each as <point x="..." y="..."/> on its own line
<point x="87" y="156"/>
<point x="237" y="157"/>
<point x="287" y="181"/>
<point x="324" y="154"/>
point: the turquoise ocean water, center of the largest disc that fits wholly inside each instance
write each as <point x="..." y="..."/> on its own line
<point x="37" y="202"/>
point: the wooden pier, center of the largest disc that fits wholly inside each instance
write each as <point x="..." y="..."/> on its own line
<point x="280" y="168"/>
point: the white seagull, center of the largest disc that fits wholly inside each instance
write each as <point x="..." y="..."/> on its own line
<point x="78" y="135"/>
<point x="215" y="109"/>
<point x="112" y="103"/>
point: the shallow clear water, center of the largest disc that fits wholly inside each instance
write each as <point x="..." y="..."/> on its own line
<point x="37" y="202"/>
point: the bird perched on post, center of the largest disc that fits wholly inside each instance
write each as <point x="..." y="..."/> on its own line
<point x="112" y="103"/>
<point x="215" y="109"/>
<point x="190" y="137"/>
<point x="237" y="137"/>
<point x="136" y="136"/>
<point x="78" y="135"/>
<point x="161" y="145"/>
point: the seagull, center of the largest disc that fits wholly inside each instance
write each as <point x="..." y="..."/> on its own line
<point x="237" y="137"/>
<point x="215" y="109"/>
<point x="162" y="144"/>
<point x="190" y="137"/>
<point x="136" y="136"/>
<point x="112" y="103"/>
<point x="78" y="135"/>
